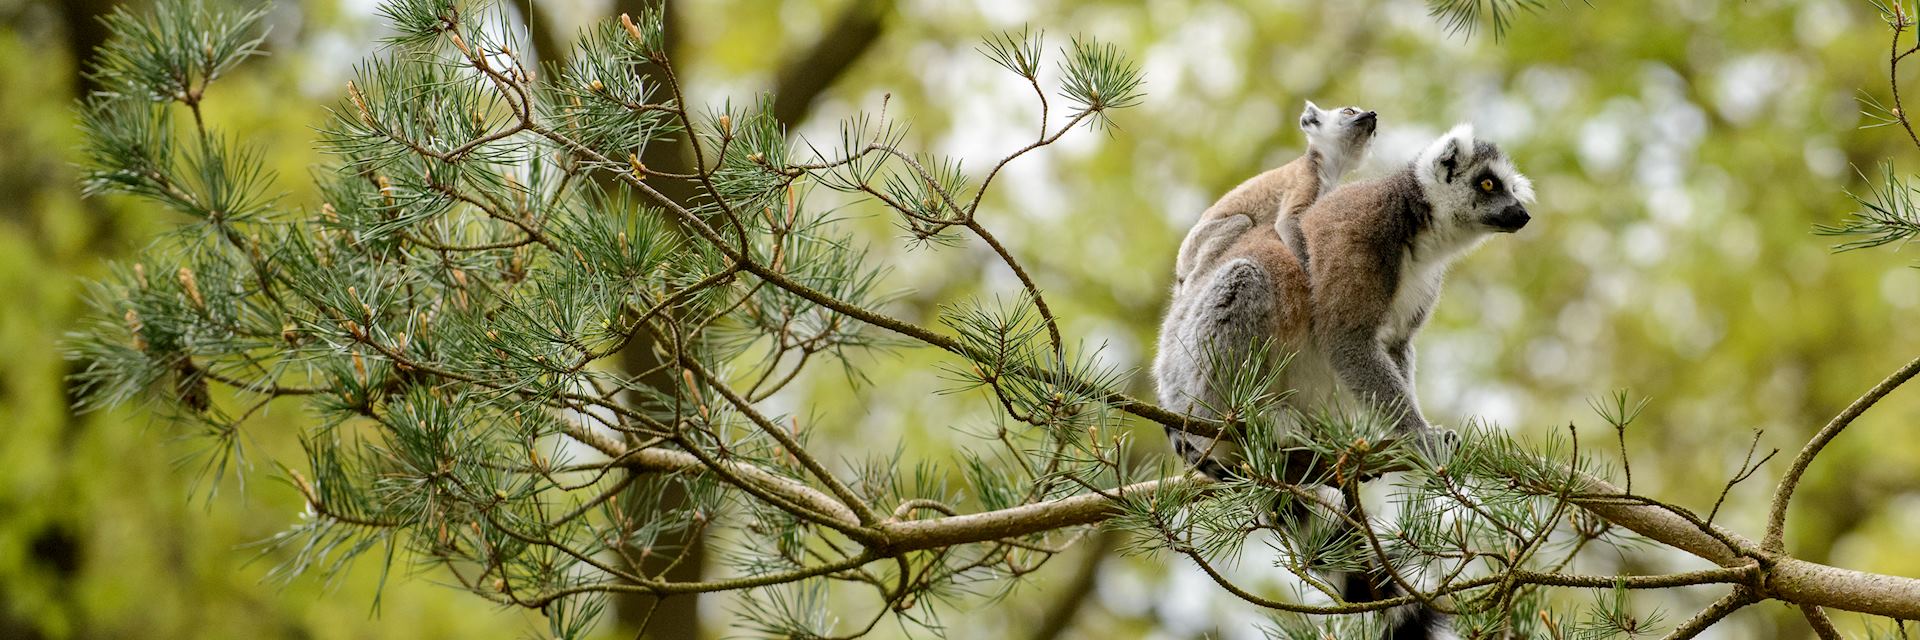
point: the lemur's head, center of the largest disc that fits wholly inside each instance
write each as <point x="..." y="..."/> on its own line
<point x="1341" y="135"/>
<point x="1471" y="183"/>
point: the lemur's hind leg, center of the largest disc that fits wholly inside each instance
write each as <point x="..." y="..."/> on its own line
<point x="1205" y="243"/>
<point x="1222" y="324"/>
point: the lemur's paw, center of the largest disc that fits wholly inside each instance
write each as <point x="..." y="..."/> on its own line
<point x="1436" y="444"/>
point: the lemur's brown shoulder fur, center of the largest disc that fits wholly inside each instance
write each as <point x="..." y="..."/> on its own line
<point x="1358" y="236"/>
<point x="1260" y="201"/>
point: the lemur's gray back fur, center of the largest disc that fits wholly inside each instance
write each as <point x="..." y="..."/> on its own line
<point x="1221" y="322"/>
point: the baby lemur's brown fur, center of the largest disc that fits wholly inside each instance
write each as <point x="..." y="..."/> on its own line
<point x="1254" y="205"/>
<point x="1336" y="141"/>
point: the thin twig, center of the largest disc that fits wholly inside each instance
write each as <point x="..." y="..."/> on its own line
<point x="1777" y="518"/>
<point x="1747" y="468"/>
<point x="1714" y="613"/>
<point x="799" y="453"/>
<point x="1822" y="625"/>
<point x="1900" y="23"/>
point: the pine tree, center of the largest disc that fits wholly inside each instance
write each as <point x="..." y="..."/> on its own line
<point x="489" y="239"/>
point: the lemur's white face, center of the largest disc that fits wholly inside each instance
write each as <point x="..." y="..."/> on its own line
<point x="1343" y="135"/>
<point x="1472" y="185"/>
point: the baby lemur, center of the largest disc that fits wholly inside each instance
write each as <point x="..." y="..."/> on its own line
<point x="1336" y="141"/>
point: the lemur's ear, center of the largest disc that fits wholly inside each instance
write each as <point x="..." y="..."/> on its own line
<point x="1442" y="160"/>
<point x="1311" y="116"/>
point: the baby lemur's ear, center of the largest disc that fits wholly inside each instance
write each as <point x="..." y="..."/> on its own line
<point x="1443" y="160"/>
<point x="1311" y="117"/>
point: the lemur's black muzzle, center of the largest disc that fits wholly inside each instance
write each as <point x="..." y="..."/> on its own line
<point x="1511" y="218"/>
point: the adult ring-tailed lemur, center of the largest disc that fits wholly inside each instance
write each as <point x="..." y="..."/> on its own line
<point x="1346" y="298"/>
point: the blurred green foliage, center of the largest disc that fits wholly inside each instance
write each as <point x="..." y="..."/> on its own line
<point x="1683" y="151"/>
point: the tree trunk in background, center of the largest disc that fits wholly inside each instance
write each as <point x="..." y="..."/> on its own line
<point x="801" y="81"/>
<point x="83" y="33"/>
<point x="804" y="78"/>
<point x="674" y="617"/>
<point x="56" y="549"/>
<point x="669" y="618"/>
<point x="1073" y="596"/>
<point x="81" y="19"/>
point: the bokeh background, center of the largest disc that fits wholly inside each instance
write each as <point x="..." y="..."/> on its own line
<point x="1683" y="152"/>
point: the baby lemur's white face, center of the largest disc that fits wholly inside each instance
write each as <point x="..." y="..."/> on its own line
<point x="1342" y="135"/>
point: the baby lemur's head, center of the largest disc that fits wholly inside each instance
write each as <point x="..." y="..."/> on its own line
<point x="1342" y="136"/>
<point x="1472" y="184"/>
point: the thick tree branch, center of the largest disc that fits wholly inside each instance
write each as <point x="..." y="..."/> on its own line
<point x="805" y="77"/>
<point x="1783" y="578"/>
<point x="1788" y="579"/>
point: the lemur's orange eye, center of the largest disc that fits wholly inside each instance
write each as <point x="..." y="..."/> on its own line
<point x="1348" y="111"/>
<point x="1486" y="184"/>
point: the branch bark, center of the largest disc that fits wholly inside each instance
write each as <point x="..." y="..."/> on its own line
<point x="1713" y="614"/>
<point x="1822" y="626"/>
